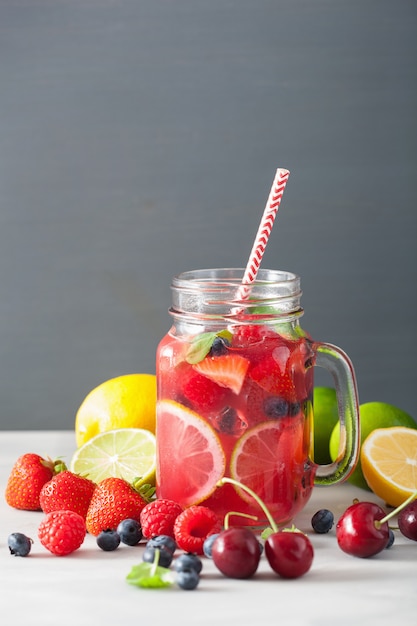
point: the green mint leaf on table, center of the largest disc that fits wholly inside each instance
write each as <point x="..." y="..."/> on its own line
<point x="201" y="345"/>
<point x="150" y="575"/>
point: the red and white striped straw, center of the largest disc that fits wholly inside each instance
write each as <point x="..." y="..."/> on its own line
<point x="264" y="230"/>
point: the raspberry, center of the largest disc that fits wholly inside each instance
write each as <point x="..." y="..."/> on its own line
<point x="62" y="532"/>
<point x="199" y="392"/>
<point x="158" y="518"/>
<point x="193" y="526"/>
<point x="249" y="334"/>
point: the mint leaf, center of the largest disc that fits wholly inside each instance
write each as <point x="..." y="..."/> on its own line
<point x="148" y="575"/>
<point x="264" y="309"/>
<point x="226" y="334"/>
<point x="200" y="348"/>
<point x="201" y="345"/>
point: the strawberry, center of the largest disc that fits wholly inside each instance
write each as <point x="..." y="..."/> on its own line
<point x="274" y="379"/>
<point x="113" y="501"/>
<point x="62" y="532"/>
<point x="227" y="370"/>
<point x="69" y="491"/>
<point x="27" y="477"/>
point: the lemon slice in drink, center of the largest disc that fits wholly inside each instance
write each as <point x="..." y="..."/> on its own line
<point x="127" y="453"/>
<point x="190" y="458"/>
<point x="389" y="463"/>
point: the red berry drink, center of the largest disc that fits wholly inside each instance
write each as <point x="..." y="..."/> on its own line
<point x="253" y="390"/>
<point x="235" y="389"/>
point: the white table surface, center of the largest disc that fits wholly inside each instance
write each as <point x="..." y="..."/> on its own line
<point x="89" y="587"/>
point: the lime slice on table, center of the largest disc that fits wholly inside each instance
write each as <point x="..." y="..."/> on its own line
<point x="190" y="458"/>
<point x="127" y="453"/>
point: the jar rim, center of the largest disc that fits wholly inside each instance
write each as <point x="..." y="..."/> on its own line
<point x="218" y="293"/>
<point x="232" y="277"/>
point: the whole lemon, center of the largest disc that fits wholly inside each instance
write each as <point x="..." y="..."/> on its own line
<point x="372" y="415"/>
<point x="326" y="415"/>
<point x="127" y="401"/>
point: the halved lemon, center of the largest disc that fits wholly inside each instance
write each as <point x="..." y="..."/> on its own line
<point x="190" y="458"/>
<point x="389" y="463"/>
<point x="127" y="453"/>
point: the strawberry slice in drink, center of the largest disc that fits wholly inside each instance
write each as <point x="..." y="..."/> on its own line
<point x="271" y="392"/>
<point x="227" y="370"/>
<point x="274" y="378"/>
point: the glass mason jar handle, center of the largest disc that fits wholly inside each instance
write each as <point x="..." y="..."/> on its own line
<point x="334" y="360"/>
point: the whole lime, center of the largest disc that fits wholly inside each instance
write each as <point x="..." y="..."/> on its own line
<point x="325" y="417"/>
<point x="372" y="415"/>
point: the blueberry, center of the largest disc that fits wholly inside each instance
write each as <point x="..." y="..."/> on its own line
<point x="188" y="561"/>
<point x="19" y="544"/>
<point x="108" y="540"/>
<point x="219" y="346"/>
<point x="391" y="539"/>
<point x="165" y="555"/>
<point x="294" y="409"/>
<point x="187" y="578"/>
<point x="275" y="406"/>
<point x="229" y="422"/>
<point x="208" y="544"/>
<point x="322" y="521"/>
<point x="163" y="541"/>
<point x="130" y="532"/>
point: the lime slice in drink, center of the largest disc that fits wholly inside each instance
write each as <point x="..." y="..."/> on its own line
<point x="127" y="453"/>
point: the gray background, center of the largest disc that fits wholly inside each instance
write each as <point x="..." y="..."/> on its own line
<point x="140" y="138"/>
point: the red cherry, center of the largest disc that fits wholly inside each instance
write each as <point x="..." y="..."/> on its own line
<point x="289" y="553"/>
<point x="236" y="552"/>
<point x="407" y="521"/>
<point x="358" y="531"/>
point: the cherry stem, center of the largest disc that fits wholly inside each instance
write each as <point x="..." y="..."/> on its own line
<point x="257" y="499"/>
<point x="378" y="523"/>
<point x="230" y="513"/>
